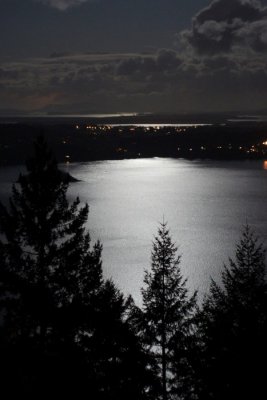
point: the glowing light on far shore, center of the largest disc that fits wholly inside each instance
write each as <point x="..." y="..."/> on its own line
<point x="265" y="143"/>
<point x="265" y="165"/>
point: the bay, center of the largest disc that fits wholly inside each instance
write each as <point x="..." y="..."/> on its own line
<point x="206" y="204"/>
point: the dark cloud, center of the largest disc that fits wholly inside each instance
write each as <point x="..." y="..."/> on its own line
<point x="8" y="74"/>
<point x="226" y="25"/>
<point x="138" y="66"/>
<point x="164" y="62"/>
<point x="229" y="10"/>
<point x="118" y="79"/>
<point x="168" y="60"/>
<point x="163" y="81"/>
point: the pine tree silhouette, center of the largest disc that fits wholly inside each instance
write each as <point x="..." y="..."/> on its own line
<point x="167" y="311"/>
<point x="49" y="273"/>
<point x="63" y="329"/>
<point x="116" y="352"/>
<point x="234" y="326"/>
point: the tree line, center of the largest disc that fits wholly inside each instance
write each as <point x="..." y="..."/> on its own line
<point x="67" y="331"/>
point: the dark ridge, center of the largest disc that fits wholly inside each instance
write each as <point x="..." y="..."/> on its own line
<point x="67" y="177"/>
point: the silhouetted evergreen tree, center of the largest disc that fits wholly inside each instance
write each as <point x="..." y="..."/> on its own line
<point x="119" y="360"/>
<point x="168" y="311"/>
<point x="48" y="272"/>
<point x="63" y="330"/>
<point x="233" y="324"/>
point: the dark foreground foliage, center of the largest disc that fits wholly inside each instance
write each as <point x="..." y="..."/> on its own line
<point x="65" y="331"/>
<point x="233" y="327"/>
<point x="168" y="317"/>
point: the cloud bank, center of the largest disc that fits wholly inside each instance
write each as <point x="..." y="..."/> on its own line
<point x="165" y="81"/>
<point x="227" y="25"/>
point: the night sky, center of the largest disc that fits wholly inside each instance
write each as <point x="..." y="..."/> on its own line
<point x="109" y="56"/>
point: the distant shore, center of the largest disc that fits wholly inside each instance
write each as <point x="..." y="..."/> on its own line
<point x="81" y="141"/>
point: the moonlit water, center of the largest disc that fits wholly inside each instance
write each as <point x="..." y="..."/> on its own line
<point x="205" y="203"/>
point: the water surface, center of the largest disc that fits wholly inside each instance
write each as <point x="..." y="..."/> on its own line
<point x="205" y="203"/>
